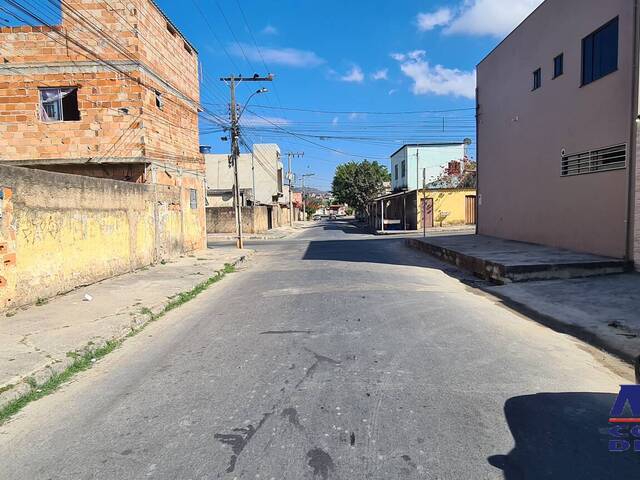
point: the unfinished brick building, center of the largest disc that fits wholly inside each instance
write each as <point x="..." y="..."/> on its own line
<point x="111" y="91"/>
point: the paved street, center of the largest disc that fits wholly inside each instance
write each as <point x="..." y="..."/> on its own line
<point x="332" y="355"/>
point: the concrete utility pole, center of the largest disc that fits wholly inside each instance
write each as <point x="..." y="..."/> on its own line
<point x="424" y="202"/>
<point x="291" y="155"/>
<point x="235" y="147"/>
<point x="304" y="202"/>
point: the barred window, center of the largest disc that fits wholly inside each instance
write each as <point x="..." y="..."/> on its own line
<point x="609" y="158"/>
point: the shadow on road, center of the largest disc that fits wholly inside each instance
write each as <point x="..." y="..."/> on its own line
<point x="563" y="436"/>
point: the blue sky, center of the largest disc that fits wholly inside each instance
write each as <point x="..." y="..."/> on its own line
<point x="351" y="63"/>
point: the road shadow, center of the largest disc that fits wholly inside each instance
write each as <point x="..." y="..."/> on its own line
<point x="563" y="436"/>
<point x="346" y="226"/>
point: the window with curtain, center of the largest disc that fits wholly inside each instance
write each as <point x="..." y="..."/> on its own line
<point x="59" y="104"/>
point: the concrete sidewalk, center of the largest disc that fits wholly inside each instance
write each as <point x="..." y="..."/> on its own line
<point x="36" y="340"/>
<point x="505" y="261"/>
<point x="603" y="311"/>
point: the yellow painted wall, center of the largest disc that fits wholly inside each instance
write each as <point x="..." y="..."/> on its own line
<point x="69" y="230"/>
<point x="446" y="200"/>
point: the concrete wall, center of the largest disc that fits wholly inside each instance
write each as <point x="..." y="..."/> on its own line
<point x="521" y="133"/>
<point x="223" y="220"/>
<point x="452" y="201"/>
<point x="62" y="231"/>
<point x="254" y="219"/>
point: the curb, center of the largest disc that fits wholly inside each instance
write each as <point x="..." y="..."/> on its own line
<point x="9" y="393"/>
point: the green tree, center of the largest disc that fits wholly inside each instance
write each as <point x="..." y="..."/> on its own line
<point x="357" y="184"/>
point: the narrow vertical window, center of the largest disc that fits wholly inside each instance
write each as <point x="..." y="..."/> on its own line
<point x="537" y="79"/>
<point x="558" y="66"/>
<point x="159" y="100"/>
<point x="193" y="198"/>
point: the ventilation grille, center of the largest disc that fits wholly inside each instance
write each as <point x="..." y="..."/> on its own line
<point x="610" y="158"/>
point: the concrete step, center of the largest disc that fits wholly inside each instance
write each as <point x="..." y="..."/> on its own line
<point x="505" y="261"/>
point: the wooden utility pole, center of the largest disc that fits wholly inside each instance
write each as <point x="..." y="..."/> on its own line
<point x="291" y="155"/>
<point x="235" y="147"/>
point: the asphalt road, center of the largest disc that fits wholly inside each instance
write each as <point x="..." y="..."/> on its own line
<point x="332" y="355"/>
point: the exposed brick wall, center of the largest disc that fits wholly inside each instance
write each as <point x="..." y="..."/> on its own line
<point x="24" y="136"/>
<point x="168" y="135"/>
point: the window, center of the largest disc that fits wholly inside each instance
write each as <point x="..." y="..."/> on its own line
<point x="159" y="100"/>
<point x="600" y="53"/>
<point x="537" y="79"/>
<point x="610" y="158"/>
<point x="171" y="29"/>
<point x="193" y="198"/>
<point x="188" y="48"/>
<point x="558" y="66"/>
<point x="59" y="104"/>
<point x="395" y="169"/>
<point x="404" y="169"/>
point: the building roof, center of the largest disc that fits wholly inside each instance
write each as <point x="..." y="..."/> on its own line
<point x="418" y="145"/>
<point x="155" y="4"/>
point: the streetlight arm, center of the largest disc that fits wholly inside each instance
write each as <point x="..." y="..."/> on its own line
<point x="262" y="90"/>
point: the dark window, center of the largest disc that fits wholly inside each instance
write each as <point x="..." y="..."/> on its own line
<point x="600" y="53"/>
<point x="171" y="30"/>
<point x="537" y="79"/>
<point x="59" y="104"/>
<point x="159" y="100"/>
<point x="558" y="66"/>
<point x="404" y="169"/>
<point x="193" y="198"/>
<point x="396" y="171"/>
<point x="188" y="48"/>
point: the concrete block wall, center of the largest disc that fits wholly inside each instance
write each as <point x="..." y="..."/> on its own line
<point x="158" y="59"/>
<point x="223" y="220"/>
<point x="62" y="231"/>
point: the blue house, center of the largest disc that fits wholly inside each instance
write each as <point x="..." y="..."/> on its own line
<point x="410" y="162"/>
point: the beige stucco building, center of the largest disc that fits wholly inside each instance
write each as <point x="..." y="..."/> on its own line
<point x="558" y="131"/>
<point x="259" y="174"/>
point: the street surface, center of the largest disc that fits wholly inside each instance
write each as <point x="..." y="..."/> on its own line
<point x="332" y="355"/>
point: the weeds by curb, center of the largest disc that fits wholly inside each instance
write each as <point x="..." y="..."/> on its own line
<point x="85" y="360"/>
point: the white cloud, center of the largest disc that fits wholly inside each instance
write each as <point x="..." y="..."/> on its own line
<point x="382" y="74"/>
<point x="354" y="75"/>
<point x="250" y="120"/>
<point x="479" y="17"/>
<point x="335" y="121"/>
<point x="492" y="17"/>
<point x="356" y="115"/>
<point x="429" y="21"/>
<point x="290" y="57"/>
<point x="437" y="80"/>
<point x="270" y="30"/>
<point x="392" y="91"/>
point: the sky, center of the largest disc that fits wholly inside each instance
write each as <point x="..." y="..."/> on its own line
<point x="353" y="79"/>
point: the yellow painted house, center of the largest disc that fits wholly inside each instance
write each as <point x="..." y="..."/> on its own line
<point x="447" y="207"/>
<point x="441" y="207"/>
